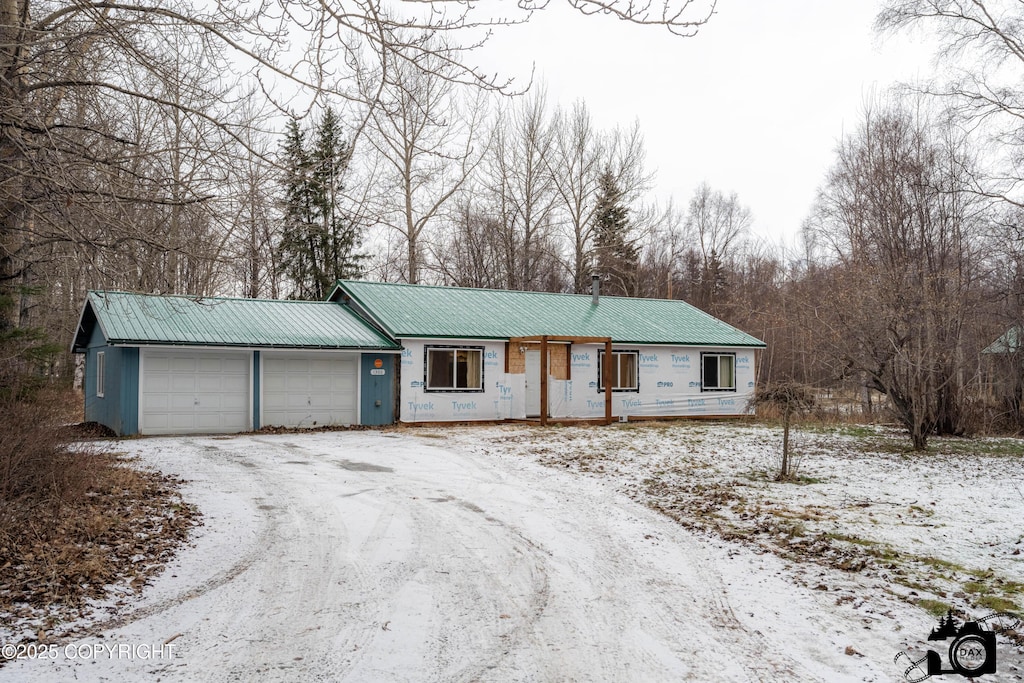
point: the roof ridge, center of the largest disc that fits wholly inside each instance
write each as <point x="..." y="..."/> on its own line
<point x="197" y="297"/>
<point x="518" y="291"/>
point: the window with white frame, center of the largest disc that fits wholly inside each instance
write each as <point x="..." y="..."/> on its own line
<point x="623" y="368"/>
<point x="454" y="368"/>
<point x="101" y="371"/>
<point x="718" y="371"/>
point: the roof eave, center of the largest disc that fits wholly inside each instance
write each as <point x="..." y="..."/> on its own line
<point x="716" y="345"/>
<point x="77" y="347"/>
<point x="225" y="345"/>
<point x="362" y="310"/>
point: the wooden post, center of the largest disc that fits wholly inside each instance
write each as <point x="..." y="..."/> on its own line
<point x="607" y="382"/>
<point x="543" y="381"/>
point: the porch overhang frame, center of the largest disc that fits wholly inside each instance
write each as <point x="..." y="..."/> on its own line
<point x="544" y="340"/>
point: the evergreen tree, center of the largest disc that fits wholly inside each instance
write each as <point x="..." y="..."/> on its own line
<point x="320" y="240"/>
<point x="616" y="256"/>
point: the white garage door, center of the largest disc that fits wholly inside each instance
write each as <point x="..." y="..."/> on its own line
<point x="195" y="392"/>
<point x="309" y="390"/>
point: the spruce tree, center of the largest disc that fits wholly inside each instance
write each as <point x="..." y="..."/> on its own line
<point x="320" y="240"/>
<point x="616" y="256"/>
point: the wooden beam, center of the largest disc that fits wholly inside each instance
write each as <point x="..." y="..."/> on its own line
<point x="562" y="339"/>
<point x="607" y="381"/>
<point x="543" y="381"/>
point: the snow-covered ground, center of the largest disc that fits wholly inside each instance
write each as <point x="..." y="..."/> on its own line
<point x="517" y="554"/>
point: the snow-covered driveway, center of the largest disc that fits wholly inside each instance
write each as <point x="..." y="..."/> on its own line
<point x="393" y="556"/>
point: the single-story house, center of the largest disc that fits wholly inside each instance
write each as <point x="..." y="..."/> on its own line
<point x="376" y="353"/>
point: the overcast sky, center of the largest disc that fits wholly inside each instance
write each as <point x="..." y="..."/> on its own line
<point x="755" y="103"/>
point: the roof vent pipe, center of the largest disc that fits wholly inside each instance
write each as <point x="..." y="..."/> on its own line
<point x="595" y="287"/>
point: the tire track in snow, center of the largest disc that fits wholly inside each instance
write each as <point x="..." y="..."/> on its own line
<point x="268" y="524"/>
<point x="415" y="562"/>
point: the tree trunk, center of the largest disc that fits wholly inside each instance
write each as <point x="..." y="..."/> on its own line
<point x="784" y="469"/>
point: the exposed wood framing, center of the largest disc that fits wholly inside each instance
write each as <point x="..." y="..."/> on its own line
<point x="546" y="339"/>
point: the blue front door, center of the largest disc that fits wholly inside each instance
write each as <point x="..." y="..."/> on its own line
<point x="377" y="404"/>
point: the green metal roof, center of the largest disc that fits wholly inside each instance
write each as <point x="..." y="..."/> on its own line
<point x="206" y="321"/>
<point x="461" y="313"/>
<point x="1008" y="343"/>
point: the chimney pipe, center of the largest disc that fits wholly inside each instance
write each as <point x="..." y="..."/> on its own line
<point x="595" y="287"/>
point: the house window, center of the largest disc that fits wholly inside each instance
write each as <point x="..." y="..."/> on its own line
<point x="718" y="371"/>
<point x="451" y="368"/>
<point x="623" y="369"/>
<point x="101" y="371"/>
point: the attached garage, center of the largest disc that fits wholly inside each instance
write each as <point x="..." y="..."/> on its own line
<point x="189" y="365"/>
<point x="191" y="391"/>
<point x="310" y="389"/>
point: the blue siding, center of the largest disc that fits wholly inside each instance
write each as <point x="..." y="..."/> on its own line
<point x="118" y="408"/>
<point x="376" y="399"/>
<point x="92" y="403"/>
<point x="129" y="391"/>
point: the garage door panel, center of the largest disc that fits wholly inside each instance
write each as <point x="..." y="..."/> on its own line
<point x="308" y="390"/>
<point x="273" y="382"/>
<point x="212" y="383"/>
<point x="271" y="404"/>
<point x="182" y="383"/>
<point x="158" y="421"/>
<point x="179" y="402"/>
<point x="192" y="391"/>
<point x="326" y="366"/>
<point x="158" y="383"/>
<point x="237" y="366"/>
<point x="182" y="365"/>
<point x="156" y="363"/>
<point x="155" y="402"/>
<point x="321" y="383"/>
<point x="235" y="403"/>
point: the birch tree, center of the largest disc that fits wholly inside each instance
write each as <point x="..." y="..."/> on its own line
<point x="521" y="191"/>
<point x="981" y="51"/>
<point x="429" y="143"/>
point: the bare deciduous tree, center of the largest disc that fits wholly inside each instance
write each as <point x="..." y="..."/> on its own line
<point x="715" y="223"/>
<point x="74" y="74"/>
<point x="429" y="144"/>
<point x="521" y="191"/>
<point x="900" y="225"/>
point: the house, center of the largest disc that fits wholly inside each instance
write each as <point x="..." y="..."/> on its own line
<point x="376" y="353"/>
<point x="1002" y="376"/>
<point x="478" y="354"/>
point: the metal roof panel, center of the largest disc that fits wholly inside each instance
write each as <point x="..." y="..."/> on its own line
<point x="453" y="312"/>
<point x="212" y="321"/>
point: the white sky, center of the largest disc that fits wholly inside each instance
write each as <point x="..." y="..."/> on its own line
<point x="755" y="103"/>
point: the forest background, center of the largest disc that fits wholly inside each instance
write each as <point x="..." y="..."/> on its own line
<point x="264" y="150"/>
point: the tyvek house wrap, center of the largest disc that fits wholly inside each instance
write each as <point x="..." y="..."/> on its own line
<point x="669" y="384"/>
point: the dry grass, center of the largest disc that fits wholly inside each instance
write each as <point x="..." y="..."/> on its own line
<point x="75" y="517"/>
